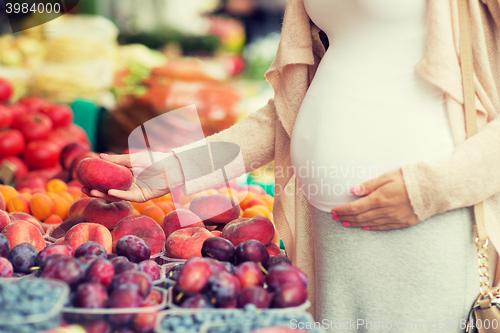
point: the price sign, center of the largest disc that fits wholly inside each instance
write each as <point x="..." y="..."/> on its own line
<point x="26" y="14"/>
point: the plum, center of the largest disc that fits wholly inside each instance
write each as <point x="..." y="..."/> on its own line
<point x="222" y="289"/>
<point x="65" y="269"/>
<point x="258" y="296"/>
<point x="151" y="268"/>
<point x="218" y="248"/>
<point x="249" y="274"/>
<point x="133" y="248"/>
<point x="125" y="296"/>
<point x="194" y="275"/>
<point x="101" y="271"/>
<point x="63" y="249"/>
<point x="91" y="296"/>
<point x="278" y="259"/>
<point x="125" y="266"/>
<point x="4" y="246"/>
<point x="173" y="273"/>
<point x="99" y="326"/>
<point x="140" y="279"/>
<point x="91" y="249"/>
<point x="6" y="268"/>
<point x="251" y="250"/>
<point x="48" y="260"/>
<point x="284" y="273"/>
<point x="117" y="259"/>
<point x="198" y="301"/>
<point x="23" y="257"/>
<point x="289" y="295"/>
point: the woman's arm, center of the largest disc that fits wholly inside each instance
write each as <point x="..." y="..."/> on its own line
<point x="255" y="136"/>
<point x="470" y="175"/>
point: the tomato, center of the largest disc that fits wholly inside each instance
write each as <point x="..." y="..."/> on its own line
<point x="17" y="110"/>
<point x="79" y="133"/>
<point x="41" y="154"/>
<point x="11" y="142"/>
<point x="5" y="117"/>
<point x="34" y="126"/>
<point x="61" y="115"/>
<point x="61" y="137"/>
<point x="6" y="90"/>
<point x="35" y="103"/>
<point x="21" y="167"/>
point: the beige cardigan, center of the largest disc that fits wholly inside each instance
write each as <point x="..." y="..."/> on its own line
<point x="470" y="175"/>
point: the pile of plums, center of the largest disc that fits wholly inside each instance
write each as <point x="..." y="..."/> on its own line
<point x="231" y="277"/>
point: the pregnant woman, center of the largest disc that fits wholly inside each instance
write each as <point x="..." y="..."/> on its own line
<point x="374" y="178"/>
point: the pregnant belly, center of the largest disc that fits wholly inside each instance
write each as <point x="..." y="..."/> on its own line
<point x="341" y="139"/>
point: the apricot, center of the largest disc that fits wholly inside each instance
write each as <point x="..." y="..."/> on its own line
<point x="75" y="192"/>
<point x="269" y="200"/>
<point x="19" y="203"/>
<point x="61" y="207"/>
<point x="107" y="213"/>
<point x="165" y="206"/>
<point x="246" y="199"/>
<point x="66" y="196"/>
<point x="256" y="211"/>
<point x="259" y="228"/>
<point x="140" y="206"/>
<point x="96" y="173"/>
<point x="41" y="206"/>
<point x="215" y="208"/>
<point x="53" y="219"/>
<point x="256" y="201"/>
<point x="7" y="192"/>
<point x="56" y="186"/>
<point x="154" y="212"/>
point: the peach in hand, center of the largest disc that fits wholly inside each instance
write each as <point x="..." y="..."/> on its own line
<point x="96" y="173"/>
<point x="186" y="243"/>
<point x="107" y="213"/>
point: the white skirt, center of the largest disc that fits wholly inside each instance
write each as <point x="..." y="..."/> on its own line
<point x="422" y="278"/>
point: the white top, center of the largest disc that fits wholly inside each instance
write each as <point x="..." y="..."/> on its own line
<point x="367" y="111"/>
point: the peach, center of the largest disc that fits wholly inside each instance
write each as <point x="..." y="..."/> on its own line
<point x="216" y="233"/>
<point x="78" y="207"/>
<point x="259" y="228"/>
<point x="31" y="182"/>
<point x="141" y="226"/>
<point x="4" y="219"/>
<point x="107" y="213"/>
<point x="215" y="208"/>
<point x="74" y="164"/>
<point x="18" y="203"/>
<point x="86" y="232"/>
<point x="60" y="241"/>
<point x="53" y="219"/>
<point x="63" y="228"/>
<point x="70" y="152"/>
<point x="180" y="219"/>
<point x="186" y="243"/>
<point x="20" y="216"/>
<point x="24" y="232"/>
<point x="2" y="202"/>
<point x="96" y="173"/>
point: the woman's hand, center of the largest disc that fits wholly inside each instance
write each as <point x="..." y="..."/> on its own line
<point x="384" y="206"/>
<point x="150" y="181"/>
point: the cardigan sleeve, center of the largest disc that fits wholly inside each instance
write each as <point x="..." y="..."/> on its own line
<point x="468" y="176"/>
<point x="254" y="136"/>
<point x="494" y="8"/>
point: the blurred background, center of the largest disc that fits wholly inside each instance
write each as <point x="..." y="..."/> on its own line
<point x="120" y="63"/>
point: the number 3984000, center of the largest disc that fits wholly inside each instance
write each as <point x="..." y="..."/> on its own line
<point x="25" y="8"/>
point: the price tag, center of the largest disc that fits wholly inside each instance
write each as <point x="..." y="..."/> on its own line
<point x="7" y="172"/>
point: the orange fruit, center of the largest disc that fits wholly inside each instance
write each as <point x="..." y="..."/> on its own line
<point x="61" y="207"/>
<point x="154" y="212"/>
<point x="7" y="192"/>
<point x="66" y="196"/>
<point x="53" y="219"/>
<point x="269" y="200"/>
<point x="136" y="212"/>
<point x="56" y="185"/>
<point x="52" y="195"/>
<point x="26" y="195"/>
<point x="248" y="197"/>
<point x="165" y="206"/>
<point x="41" y="206"/>
<point x="256" y="211"/>
<point x="141" y="205"/>
<point x="19" y="203"/>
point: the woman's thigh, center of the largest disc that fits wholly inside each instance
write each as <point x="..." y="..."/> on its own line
<point x="419" y="279"/>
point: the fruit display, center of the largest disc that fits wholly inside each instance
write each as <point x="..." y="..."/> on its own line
<point x="31" y="305"/>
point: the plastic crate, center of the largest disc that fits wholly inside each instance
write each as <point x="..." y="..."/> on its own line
<point x="76" y="315"/>
<point x="37" y="322"/>
<point x="164" y="281"/>
<point x="207" y="323"/>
